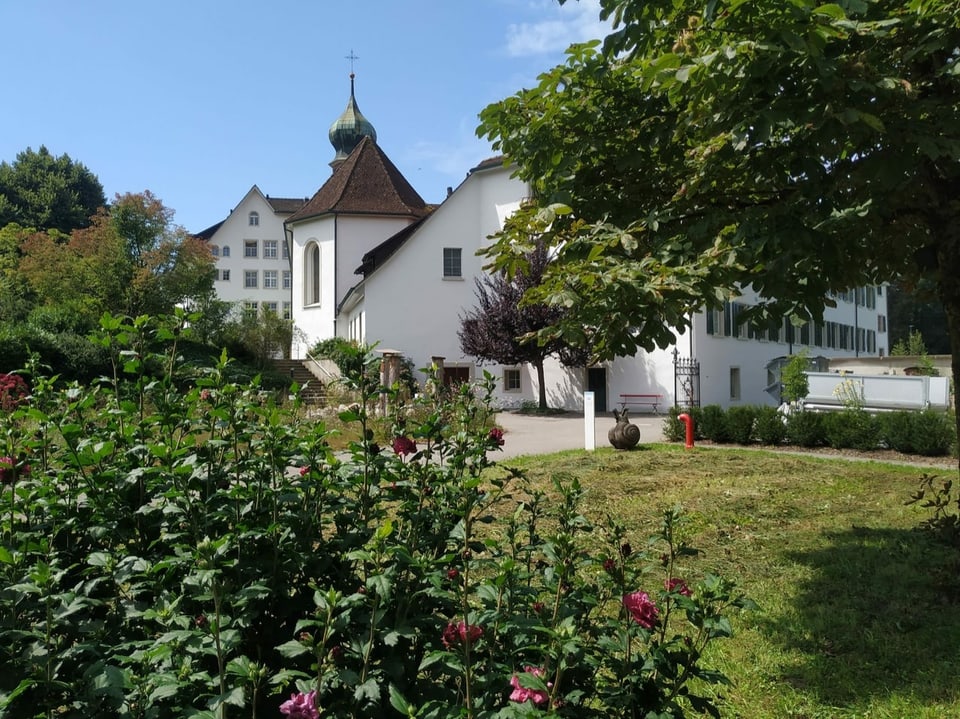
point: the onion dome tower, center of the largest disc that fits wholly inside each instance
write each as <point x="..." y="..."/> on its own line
<point x="349" y="129"/>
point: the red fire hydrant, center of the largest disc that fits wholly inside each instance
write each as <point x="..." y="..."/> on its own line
<point x="688" y="421"/>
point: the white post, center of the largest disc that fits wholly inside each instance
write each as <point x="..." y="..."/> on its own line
<point x="589" y="422"/>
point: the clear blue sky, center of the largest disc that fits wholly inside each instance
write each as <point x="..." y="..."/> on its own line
<point x="198" y="100"/>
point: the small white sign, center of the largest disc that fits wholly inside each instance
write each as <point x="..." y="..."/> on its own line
<point x="589" y="422"/>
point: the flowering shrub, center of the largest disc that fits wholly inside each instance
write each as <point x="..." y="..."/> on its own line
<point x="13" y="391"/>
<point x="203" y="552"/>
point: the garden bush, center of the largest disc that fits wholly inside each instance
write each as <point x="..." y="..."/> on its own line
<point x="896" y="430"/>
<point x="932" y="433"/>
<point x="770" y="425"/>
<point x="202" y="552"/>
<point x="713" y="424"/>
<point x="740" y="421"/>
<point x="805" y="428"/>
<point x="851" y="429"/>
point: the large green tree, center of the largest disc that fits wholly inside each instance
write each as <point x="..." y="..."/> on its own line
<point x="132" y="260"/>
<point x="795" y="146"/>
<point x="48" y="193"/>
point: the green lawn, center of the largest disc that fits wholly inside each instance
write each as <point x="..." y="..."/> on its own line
<point x="859" y="612"/>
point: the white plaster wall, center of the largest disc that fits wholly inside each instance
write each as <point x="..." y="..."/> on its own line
<point x="409" y="306"/>
<point x="313" y="322"/>
<point x="232" y="233"/>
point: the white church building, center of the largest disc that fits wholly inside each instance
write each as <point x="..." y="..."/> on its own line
<point x="367" y="259"/>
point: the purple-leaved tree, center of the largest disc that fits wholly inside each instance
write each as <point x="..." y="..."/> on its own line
<point x="503" y="329"/>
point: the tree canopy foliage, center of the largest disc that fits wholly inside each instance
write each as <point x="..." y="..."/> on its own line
<point x="48" y="193"/>
<point x="131" y="260"/>
<point x="796" y="147"/>
<point x="500" y="330"/>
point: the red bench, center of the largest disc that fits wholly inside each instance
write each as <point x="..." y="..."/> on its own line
<point x="642" y="400"/>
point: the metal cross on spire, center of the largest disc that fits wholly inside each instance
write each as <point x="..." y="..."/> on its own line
<point x="351" y="57"/>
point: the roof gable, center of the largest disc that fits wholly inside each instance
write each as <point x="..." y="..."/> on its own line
<point x="367" y="182"/>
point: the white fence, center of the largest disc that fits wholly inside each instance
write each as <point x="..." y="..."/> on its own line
<point x="876" y="393"/>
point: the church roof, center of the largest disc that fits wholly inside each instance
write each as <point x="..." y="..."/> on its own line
<point x="283" y="205"/>
<point x="366" y="183"/>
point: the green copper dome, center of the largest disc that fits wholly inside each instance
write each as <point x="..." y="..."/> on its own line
<point x="351" y="127"/>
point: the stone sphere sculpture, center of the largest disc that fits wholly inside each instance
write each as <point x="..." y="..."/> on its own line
<point x="623" y="435"/>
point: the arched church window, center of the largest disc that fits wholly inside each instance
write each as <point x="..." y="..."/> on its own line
<point x="311" y="280"/>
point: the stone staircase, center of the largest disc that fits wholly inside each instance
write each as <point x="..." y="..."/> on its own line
<point x="311" y="388"/>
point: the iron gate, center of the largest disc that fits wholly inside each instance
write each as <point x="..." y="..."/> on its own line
<point x="686" y="382"/>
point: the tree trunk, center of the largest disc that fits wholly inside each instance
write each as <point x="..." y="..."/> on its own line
<point x="543" y="385"/>
<point x="948" y="288"/>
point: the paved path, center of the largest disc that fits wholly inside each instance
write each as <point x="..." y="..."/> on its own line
<point x="541" y="434"/>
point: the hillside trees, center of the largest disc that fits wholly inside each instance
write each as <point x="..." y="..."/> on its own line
<point x="48" y="193"/>
<point x="799" y="148"/>
<point x="501" y="328"/>
<point x="132" y="260"/>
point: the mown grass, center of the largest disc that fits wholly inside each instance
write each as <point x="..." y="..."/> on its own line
<point x="859" y="611"/>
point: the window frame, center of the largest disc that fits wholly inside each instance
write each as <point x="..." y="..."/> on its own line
<point x="246" y="279"/>
<point x="253" y="219"/>
<point x="251" y="249"/>
<point x="512" y="372"/>
<point x="451" y="271"/>
<point x="270" y="250"/>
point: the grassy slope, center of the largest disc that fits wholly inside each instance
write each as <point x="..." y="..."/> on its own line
<point x="859" y="612"/>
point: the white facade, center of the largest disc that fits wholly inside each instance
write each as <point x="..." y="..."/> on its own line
<point x="338" y="242"/>
<point x="414" y="300"/>
<point x="252" y="262"/>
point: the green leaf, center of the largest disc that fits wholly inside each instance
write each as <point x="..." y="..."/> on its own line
<point x="398" y="702"/>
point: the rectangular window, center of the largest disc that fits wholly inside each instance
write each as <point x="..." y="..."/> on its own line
<point x="225" y="251"/>
<point x="214" y="250"/>
<point x="249" y="248"/>
<point x="250" y="279"/>
<point x="285" y="251"/>
<point x="287" y="310"/>
<point x="250" y="309"/>
<point x="511" y="380"/>
<point x="225" y="275"/>
<point x="269" y="249"/>
<point x="287" y="279"/>
<point x="734" y="383"/>
<point x="452" y="266"/>
<point x="269" y="279"/>
<point x="271" y="306"/>
<point x="254" y="219"/>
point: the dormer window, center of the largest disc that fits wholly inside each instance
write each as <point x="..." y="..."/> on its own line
<point x="254" y="219"/>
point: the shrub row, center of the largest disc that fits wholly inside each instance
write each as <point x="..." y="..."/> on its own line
<point x="929" y="433"/>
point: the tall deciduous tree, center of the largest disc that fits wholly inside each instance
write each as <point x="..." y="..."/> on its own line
<point x="132" y="260"/>
<point x="48" y="193"/>
<point x="799" y="147"/>
<point x="504" y="329"/>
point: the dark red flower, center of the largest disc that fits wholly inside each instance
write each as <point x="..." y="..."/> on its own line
<point x="495" y="435"/>
<point x="609" y="566"/>
<point x="625" y="549"/>
<point x="453" y="573"/>
<point x="460" y="633"/>
<point x="305" y="470"/>
<point x="642" y="609"/>
<point x="674" y="584"/>
<point x="404" y="446"/>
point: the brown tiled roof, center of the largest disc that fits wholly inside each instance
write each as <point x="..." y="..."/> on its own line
<point x="286" y="205"/>
<point x="367" y="182"/>
<point x="498" y="161"/>
<point x="209" y="232"/>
